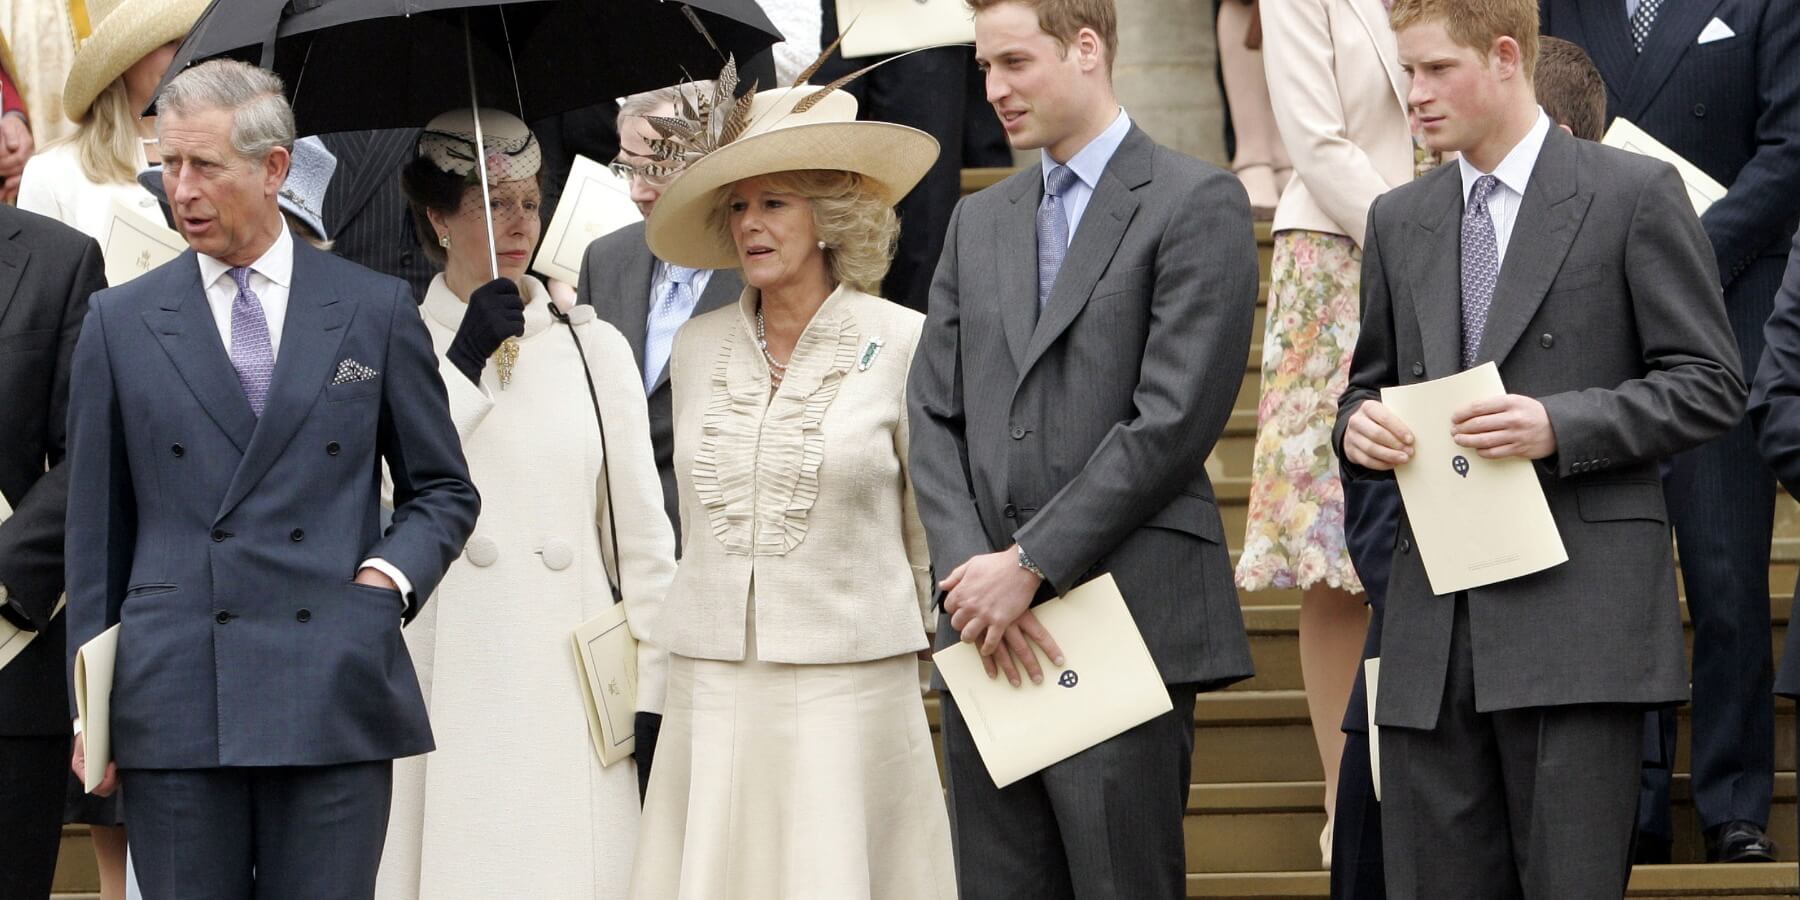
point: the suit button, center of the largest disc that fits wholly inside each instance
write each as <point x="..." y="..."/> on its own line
<point x="219" y="535"/>
<point x="222" y="617"/>
<point x="1018" y="433"/>
<point x="298" y="535"/>
<point x="1699" y="110"/>
<point x="303" y="616"/>
<point x="1418" y="369"/>
<point x="1010" y="511"/>
<point x="1546" y="340"/>
<point x="332" y="448"/>
<point x="1405" y="545"/>
<point x="1605" y="462"/>
<point x="177" y="449"/>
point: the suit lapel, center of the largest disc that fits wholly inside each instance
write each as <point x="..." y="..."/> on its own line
<point x="1016" y="236"/>
<point x="309" y="343"/>
<point x="184" y="326"/>
<point x="1605" y="34"/>
<point x="13" y="259"/>
<point x="1375" y="21"/>
<point x="633" y="280"/>
<point x="1676" y="29"/>
<point x="1436" y="273"/>
<point x="1546" y="225"/>
<point x="366" y="160"/>
<point x="1109" y="212"/>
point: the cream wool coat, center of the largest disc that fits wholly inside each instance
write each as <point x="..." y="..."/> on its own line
<point x="806" y="493"/>
<point x="514" y="802"/>
<point x="53" y="185"/>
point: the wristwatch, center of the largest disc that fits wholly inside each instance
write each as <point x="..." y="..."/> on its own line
<point x="1029" y="566"/>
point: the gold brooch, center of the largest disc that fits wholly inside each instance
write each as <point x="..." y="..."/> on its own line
<point x="507" y="357"/>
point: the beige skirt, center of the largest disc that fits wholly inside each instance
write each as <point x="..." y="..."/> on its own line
<point x="792" y="782"/>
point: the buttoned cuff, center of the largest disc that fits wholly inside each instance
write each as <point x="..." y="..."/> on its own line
<point x="388" y="569"/>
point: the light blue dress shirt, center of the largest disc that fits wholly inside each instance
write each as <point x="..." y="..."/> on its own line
<point x="1088" y="163"/>
<point x="668" y="311"/>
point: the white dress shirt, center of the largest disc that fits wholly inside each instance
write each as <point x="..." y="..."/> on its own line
<point x="1087" y="163"/>
<point x="1513" y="173"/>
<point x="271" y="277"/>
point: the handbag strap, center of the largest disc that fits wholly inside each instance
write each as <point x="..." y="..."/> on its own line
<point x="616" y="577"/>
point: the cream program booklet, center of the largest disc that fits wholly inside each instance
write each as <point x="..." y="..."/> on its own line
<point x="594" y="203"/>
<point x="1109" y="685"/>
<point x="606" y="655"/>
<point x="1371" y="685"/>
<point x="1702" y="190"/>
<point x="1476" y="521"/>
<point x="93" y="702"/>
<point x="135" y="245"/>
<point x="880" y="27"/>
<point x="14" y="640"/>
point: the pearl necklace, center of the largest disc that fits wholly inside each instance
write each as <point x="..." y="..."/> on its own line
<point x="776" y="369"/>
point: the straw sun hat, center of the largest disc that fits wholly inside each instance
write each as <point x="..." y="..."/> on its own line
<point x="112" y="35"/>
<point x="783" y="133"/>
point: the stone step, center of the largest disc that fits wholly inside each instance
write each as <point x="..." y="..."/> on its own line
<point x="1746" y="881"/>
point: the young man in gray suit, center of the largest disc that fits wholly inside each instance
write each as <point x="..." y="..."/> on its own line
<point x="1088" y="327"/>
<point x="229" y="417"/>
<point x="1511" y="714"/>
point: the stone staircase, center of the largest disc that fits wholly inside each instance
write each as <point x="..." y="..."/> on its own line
<point x="1254" y="811"/>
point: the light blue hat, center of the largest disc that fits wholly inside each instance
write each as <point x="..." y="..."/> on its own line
<point x="302" y="195"/>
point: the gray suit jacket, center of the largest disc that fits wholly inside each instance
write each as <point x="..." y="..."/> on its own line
<point x="615" y="280"/>
<point x="1084" y="435"/>
<point x="224" y="543"/>
<point x="1608" y="310"/>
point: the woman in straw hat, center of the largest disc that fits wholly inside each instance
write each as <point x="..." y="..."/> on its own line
<point x="118" y="63"/>
<point x="795" y="759"/>
<point x="514" y="802"/>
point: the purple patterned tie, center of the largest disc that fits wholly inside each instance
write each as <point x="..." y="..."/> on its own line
<point x="1052" y="230"/>
<point x="1480" y="266"/>
<point x="251" y="353"/>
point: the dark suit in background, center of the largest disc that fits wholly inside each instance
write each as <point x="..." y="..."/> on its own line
<point x="616" y="276"/>
<point x="1511" y="714"/>
<point x="47" y="271"/>
<point x="367" y="214"/>
<point x="1082" y="435"/>
<point x="1732" y="107"/>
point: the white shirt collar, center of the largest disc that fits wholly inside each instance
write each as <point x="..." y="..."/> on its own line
<point x="1514" y="171"/>
<point x="276" y="263"/>
<point x="1091" y="160"/>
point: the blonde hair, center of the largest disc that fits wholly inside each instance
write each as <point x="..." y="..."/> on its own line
<point x="106" y="140"/>
<point x="1476" y="24"/>
<point x="859" y="228"/>
<point x="1064" y="19"/>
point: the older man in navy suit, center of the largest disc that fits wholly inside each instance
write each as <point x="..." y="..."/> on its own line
<point x="1716" y="82"/>
<point x="229" y="418"/>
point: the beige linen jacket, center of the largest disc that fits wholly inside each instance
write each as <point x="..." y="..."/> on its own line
<point x="1340" y="102"/>
<point x="804" y="497"/>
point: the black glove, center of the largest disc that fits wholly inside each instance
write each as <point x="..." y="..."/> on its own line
<point x="496" y="312"/>
<point x="647" y="725"/>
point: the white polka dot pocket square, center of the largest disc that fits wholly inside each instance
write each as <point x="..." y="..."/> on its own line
<point x="350" y="372"/>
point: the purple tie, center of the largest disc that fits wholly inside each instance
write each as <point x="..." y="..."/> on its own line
<point x="251" y="353"/>
<point x="1480" y="266"/>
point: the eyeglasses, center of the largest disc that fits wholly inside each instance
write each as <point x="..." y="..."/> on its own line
<point x="652" y="174"/>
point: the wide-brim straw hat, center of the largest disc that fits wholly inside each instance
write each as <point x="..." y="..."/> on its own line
<point x="123" y="32"/>
<point x="890" y="158"/>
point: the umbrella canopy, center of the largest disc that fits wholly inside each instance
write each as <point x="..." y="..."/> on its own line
<point x="357" y="64"/>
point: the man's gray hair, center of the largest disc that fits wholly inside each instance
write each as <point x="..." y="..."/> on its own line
<point x="647" y="103"/>
<point x="261" y="119"/>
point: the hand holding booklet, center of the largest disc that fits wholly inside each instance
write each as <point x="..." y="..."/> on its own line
<point x="93" y="703"/>
<point x="1108" y="685"/>
<point x="1476" y="521"/>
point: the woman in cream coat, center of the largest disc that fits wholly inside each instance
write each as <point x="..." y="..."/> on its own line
<point x="794" y="760"/>
<point x="1340" y="102"/>
<point x="514" y="802"/>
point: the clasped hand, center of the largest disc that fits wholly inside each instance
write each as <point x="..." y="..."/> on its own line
<point x="1496" y="428"/>
<point x="989" y="602"/>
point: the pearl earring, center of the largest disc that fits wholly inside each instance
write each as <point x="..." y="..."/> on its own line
<point x="821" y="245"/>
<point x="443" y="240"/>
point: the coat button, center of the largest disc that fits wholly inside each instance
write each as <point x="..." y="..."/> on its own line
<point x="1018" y="433"/>
<point x="1605" y="462"/>
<point x="222" y="617"/>
<point x="303" y="616"/>
<point x="297" y="535"/>
<point x="177" y="449"/>
<point x="1546" y="340"/>
<point x="558" y="555"/>
<point x="482" y="551"/>
<point x="1699" y="110"/>
<point x="1418" y="370"/>
<point x="219" y="535"/>
<point x="1010" y="511"/>
<point x="332" y="448"/>
<point x="1405" y="545"/>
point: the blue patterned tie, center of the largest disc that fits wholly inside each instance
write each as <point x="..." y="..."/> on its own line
<point x="1480" y="266"/>
<point x="1052" y="230"/>
<point x="674" y="304"/>
<point x="251" y="353"/>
